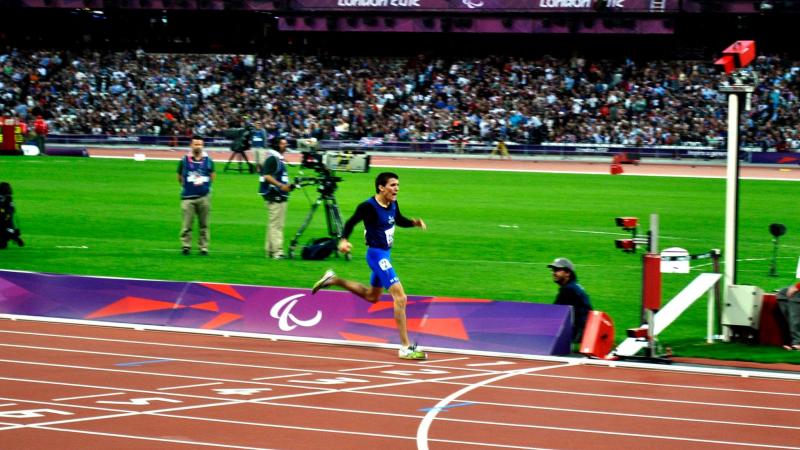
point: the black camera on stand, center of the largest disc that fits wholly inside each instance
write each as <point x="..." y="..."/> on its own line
<point x="241" y="141"/>
<point x="324" y="163"/>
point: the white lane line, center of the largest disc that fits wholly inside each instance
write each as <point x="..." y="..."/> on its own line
<point x="645" y="399"/>
<point x="215" y="349"/>
<point x="142" y="438"/>
<point x="332" y="431"/>
<point x="187" y="386"/>
<point x="276" y="377"/>
<point x="437" y="361"/>
<point x="445" y="380"/>
<point x="424" y="426"/>
<point x="226" y="402"/>
<point x="186" y="360"/>
<point x="155" y="374"/>
<point x="367" y="368"/>
<point x="495" y="363"/>
<point x="56" y="404"/>
<point x="87" y="396"/>
<point x="529" y="358"/>
<point x="533" y="407"/>
<point x="113" y="388"/>
<point x="364" y="390"/>
<point x="666" y="385"/>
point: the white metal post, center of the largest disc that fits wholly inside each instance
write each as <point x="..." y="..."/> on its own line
<point x="710" y="317"/>
<point x="732" y="191"/>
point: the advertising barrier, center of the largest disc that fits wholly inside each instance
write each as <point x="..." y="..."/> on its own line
<point x="473" y="6"/>
<point x="434" y="322"/>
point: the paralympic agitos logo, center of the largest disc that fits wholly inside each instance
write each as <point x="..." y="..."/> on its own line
<point x="287" y="321"/>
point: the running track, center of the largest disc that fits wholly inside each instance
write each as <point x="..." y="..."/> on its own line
<point x="683" y="168"/>
<point x="80" y="387"/>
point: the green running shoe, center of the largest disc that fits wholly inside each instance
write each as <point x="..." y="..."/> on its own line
<point x="322" y="282"/>
<point x="412" y="352"/>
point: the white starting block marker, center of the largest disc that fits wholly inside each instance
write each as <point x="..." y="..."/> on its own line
<point x="666" y="315"/>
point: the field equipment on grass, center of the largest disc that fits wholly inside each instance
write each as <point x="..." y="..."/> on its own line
<point x="324" y="163"/>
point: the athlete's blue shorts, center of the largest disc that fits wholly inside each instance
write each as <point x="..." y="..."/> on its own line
<point x="383" y="274"/>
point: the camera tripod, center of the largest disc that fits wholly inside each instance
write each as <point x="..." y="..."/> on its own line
<point x="333" y="218"/>
<point x="242" y="158"/>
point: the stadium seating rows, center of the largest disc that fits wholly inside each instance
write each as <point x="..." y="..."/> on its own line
<point x="513" y="99"/>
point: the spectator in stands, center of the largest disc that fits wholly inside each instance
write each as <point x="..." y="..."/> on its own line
<point x="789" y="304"/>
<point x="572" y="294"/>
<point x="572" y="100"/>
<point x="195" y="175"/>
<point x="274" y="186"/>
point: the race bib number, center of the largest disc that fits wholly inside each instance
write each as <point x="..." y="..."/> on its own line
<point x="390" y="236"/>
<point x="385" y="264"/>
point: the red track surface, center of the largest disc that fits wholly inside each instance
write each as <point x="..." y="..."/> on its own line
<point x="81" y="387"/>
<point x="678" y="169"/>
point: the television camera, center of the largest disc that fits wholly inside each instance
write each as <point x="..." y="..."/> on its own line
<point x="241" y="139"/>
<point x="325" y="163"/>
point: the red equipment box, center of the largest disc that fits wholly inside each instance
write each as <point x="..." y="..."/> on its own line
<point x="739" y="54"/>
<point x="598" y="336"/>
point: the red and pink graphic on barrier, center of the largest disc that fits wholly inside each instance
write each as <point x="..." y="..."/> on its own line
<point x="451" y="323"/>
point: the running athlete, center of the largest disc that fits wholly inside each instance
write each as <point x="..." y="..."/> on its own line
<point x="380" y="214"/>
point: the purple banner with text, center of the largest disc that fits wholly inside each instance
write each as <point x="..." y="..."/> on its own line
<point x="489" y="5"/>
<point x="452" y="323"/>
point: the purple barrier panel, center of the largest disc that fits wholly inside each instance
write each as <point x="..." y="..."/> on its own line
<point x="476" y="6"/>
<point x="775" y="157"/>
<point x="468" y="324"/>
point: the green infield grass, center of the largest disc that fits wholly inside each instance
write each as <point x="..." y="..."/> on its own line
<point x="490" y="234"/>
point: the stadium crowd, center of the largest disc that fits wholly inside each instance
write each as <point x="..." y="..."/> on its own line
<point x="572" y="100"/>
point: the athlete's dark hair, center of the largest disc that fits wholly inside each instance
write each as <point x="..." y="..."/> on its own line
<point x="384" y="178"/>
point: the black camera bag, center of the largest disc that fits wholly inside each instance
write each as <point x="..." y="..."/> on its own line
<point x="319" y="248"/>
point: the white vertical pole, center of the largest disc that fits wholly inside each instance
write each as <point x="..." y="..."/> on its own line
<point x="710" y="318"/>
<point x="650" y="314"/>
<point x="731" y="192"/>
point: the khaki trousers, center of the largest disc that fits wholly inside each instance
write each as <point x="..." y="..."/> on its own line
<point x="191" y="207"/>
<point x="273" y="245"/>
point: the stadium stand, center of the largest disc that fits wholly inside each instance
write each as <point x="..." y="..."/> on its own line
<point x="148" y="68"/>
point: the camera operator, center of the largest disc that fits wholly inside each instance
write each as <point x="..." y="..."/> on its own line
<point x="275" y="187"/>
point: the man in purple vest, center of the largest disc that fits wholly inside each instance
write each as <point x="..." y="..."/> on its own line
<point x="195" y="174"/>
